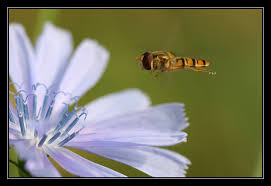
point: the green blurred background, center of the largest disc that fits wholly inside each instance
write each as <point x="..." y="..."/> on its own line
<point x="224" y="111"/>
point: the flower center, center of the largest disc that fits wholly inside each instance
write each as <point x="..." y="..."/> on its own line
<point x="54" y="124"/>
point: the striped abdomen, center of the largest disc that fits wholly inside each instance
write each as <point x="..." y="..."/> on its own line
<point x="191" y="62"/>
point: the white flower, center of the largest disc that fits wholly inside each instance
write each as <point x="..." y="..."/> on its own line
<point x="49" y="80"/>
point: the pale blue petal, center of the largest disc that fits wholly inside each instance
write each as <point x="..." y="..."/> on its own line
<point x="135" y="136"/>
<point x="86" y="67"/>
<point x="176" y="113"/>
<point x="41" y="165"/>
<point x="14" y="131"/>
<point x="153" y="161"/>
<point x="101" y="143"/>
<point x="36" y="161"/>
<point x="162" y="119"/>
<point x="115" y="104"/>
<point x="25" y="148"/>
<point x="78" y="165"/>
<point x="21" y="57"/>
<point x="53" y="49"/>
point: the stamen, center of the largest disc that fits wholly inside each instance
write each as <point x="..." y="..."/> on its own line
<point x="21" y="121"/>
<point x="65" y="110"/>
<point x="66" y="140"/>
<point x="34" y="103"/>
<point x="26" y="113"/>
<point x="42" y="140"/>
<point x="44" y="106"/>
<point x="49" y="111"/>
<point x="38" y="115"/>
<point x="11" y="118"/>
<point x="70" y="126"/>
<point x="73" y="124"/>
<point x="56" y="93"/>
<point x="84" y="113"/>
<point x="54" y="138"/>
<point x="34" y="87"/>
<point x="41" y="84"/>
<point x="19" y="104"/>
<point x="65" y="119"/>
<point x="28" y="96"/>
<point x="21" y="91"/>
<point x="63" y="114"/>
<point x="20" y="94"/>
<point x="35" y="133"/>
<point x="34" y="107"/>
<point x="27" y="110"/>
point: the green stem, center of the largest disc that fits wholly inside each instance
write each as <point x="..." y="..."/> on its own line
<point x="20" y="166"/>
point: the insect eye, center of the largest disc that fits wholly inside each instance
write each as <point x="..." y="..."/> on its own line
<point x="147" y="60"/>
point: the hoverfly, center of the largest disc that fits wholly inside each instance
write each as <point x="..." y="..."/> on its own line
<point x="162" y="61"/>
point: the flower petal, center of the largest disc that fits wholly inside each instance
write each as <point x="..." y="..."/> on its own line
<point x="137" y="137"/>
<point x="14" y="131"/>
<point x="36" y="161"/>
<point x="24" y="148"/>
<point x="161" y="118"/>
<point x="153" y="161"/>
<point x="14" y="134"/>
<point x="115" y="104"/>
<point x="41" y="165"/>
<point x="21" y="57"/>
<point x="101" y="143"/>
<point x="155" y="126"/>
<point x="78" y="165"/>
<point x="53" y="49"/>
<point x="87" y="66"/>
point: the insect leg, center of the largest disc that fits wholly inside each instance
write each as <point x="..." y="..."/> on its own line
<point x="155" y="76"/>
<point x="201" y="70"/>
<point x="174" y="69"/>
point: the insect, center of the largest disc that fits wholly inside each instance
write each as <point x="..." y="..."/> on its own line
<point x="162" y="61"/>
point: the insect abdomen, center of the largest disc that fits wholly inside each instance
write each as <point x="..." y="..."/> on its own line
<point x="180" y="62"/>
<point x="191" y="62"/>
<point x="202" y="63"/>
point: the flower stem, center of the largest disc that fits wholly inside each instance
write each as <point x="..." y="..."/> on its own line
<point x="20" y="165"/>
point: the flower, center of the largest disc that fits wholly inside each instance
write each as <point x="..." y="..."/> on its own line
<point x="46" y="118"/>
